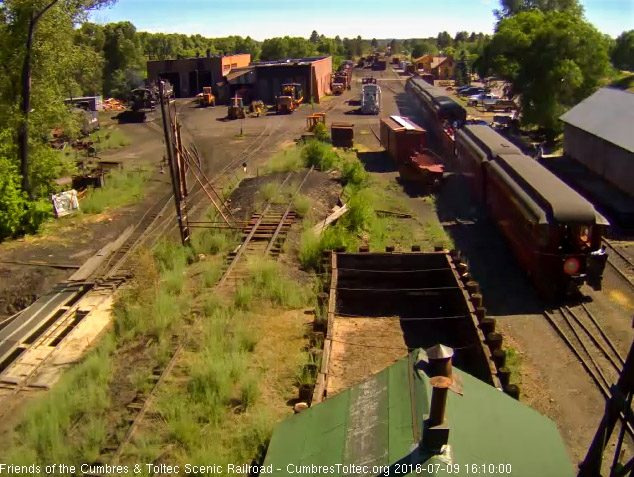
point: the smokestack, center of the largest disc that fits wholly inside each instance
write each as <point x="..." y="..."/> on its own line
<point x="440" y="358"/>
<point x="435" y="430"/>
<point x="440" y="385"/>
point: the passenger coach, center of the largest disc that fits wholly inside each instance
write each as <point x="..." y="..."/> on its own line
<point x="553" y="231"/>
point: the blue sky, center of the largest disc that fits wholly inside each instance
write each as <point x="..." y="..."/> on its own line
<point x="369" y="18"/>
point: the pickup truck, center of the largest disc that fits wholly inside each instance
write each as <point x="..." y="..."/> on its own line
<point x="506" y="105"/>
<point x="481" y="98"/>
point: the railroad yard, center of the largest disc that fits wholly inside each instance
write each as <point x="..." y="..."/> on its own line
<point x="215" y="332"/>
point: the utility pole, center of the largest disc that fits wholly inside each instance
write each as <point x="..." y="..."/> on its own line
<point x="176" y="175"/>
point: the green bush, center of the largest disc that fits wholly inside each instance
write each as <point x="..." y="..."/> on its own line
<point x="321" y="132"/>
<point x="353" y="173"/>
<point x="360" y="211"/>
<point x="17" y="214"/>
<point x="319" y="154"/>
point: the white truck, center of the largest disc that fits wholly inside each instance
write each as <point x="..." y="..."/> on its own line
<point x="370" y="98"/>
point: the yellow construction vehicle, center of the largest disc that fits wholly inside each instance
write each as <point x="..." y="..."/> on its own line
<point x="257" y="107"/>
<point x="236" y="108"/>
<point x="207" y="98"/>
<point x="290" y="98"/>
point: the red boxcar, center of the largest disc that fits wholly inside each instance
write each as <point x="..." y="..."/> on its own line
<point x="401" y="138"/>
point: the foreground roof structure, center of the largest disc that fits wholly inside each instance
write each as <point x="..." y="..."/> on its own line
<point x="379" y="424"/>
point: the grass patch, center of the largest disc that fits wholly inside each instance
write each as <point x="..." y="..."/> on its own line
<point x="121" y="188"/>
<point x="213" y="241"/>
<point x="514" y="363"/>
<point x="107" y="138"/>
<point x="287" y="160"/>
<point x="67" y="424"/>
<point x="302" y="205"/>
<point x="268" y="281"/>
<point x="270" y="192"/>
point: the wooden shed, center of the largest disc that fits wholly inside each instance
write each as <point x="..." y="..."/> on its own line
<point x="598" y="134"/>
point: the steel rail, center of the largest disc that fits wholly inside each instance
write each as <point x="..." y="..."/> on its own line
<point x="286" y="212"/>
<point x="181" y="346"/>
<point x="248" y="238"/>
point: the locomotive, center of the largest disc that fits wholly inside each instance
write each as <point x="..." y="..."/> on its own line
<point x="555" y="234"/>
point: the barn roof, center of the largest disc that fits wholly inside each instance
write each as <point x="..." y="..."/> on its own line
<point x="378" y="423"/>
<point x="608" y="114"/>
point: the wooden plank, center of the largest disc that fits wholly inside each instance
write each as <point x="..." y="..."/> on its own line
<point x="320" y="388"/>
<point x="321" y="226"/>
<point x="94" y="262"/>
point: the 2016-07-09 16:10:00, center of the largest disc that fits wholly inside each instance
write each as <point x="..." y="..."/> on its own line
<point x="433" y="468"/>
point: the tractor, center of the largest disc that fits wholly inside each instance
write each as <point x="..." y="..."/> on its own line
<point x="290" y="98"/>
<point x="236" y="108"/>
<point x="207" y="98"/>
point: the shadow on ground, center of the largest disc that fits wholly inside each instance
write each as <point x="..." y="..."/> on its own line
<point x="377" y="162"/>
<point x="505" y="287"/>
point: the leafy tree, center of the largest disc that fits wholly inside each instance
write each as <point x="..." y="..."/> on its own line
<point x="374" y="43"/>
<point x="122" y="55"/>
<point x="444" y="40"/>
<point x="24" y="17"/>
<point x="395" y="47"/>
<point x="552" y="60"/>
<point x="421" y="48"/>
<point x="508" y="8"/>
<point x="314" y="37"/>
<point x="462" y="70"/>
<point x="462" y="36"/>
<point x="623" y="51"/>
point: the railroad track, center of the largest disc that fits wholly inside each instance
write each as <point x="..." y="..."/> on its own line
<point x="583" y="334"/>
<point x="263" y="235"/>
<point x="621" y="263"/>
<point x="157" y="221"/>
<point x="56" y="322"/>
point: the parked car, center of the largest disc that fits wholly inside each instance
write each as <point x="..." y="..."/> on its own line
<point x="470" y="90"/>
<point x="476" y="99"/>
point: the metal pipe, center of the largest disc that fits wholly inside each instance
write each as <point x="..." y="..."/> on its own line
<point x="440" y="386"/>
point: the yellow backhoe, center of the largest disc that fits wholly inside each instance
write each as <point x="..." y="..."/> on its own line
<point x="207" y="98"/>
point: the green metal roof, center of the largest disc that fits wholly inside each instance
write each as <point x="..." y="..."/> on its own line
<point x="375" y="424"/>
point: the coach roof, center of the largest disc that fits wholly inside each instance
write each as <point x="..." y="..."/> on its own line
<point x="561" y="202"/>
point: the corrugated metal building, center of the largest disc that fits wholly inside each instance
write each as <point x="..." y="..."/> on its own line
<point x="190" y="75"/>
<point x="379" y="424"/>
<point x="599" y="133"/>
<point x="314" y="74"/>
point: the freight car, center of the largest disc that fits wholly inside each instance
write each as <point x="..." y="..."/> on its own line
<point x="442" y="116"/>
<point x="553" y="231"/>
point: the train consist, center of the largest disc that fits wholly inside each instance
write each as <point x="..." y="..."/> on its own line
<point x="553" y="231"/>
<point x="442" y="115"/>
